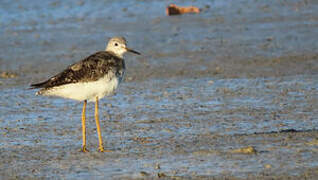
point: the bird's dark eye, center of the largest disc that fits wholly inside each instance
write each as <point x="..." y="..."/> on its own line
<point x="116" y="44"/>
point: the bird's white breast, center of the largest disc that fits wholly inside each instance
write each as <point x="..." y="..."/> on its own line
<point x="86" y="90"/>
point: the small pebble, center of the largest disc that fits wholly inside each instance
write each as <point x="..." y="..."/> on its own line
<point x="7" y="75"/>
<point x="161" y="174"/>
<point x="245" y="150"/>
<point x="268" y="166"/>
<point x="143" y="173"/>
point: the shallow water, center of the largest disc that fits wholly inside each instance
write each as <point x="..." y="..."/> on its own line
<point x="241" y="73"/>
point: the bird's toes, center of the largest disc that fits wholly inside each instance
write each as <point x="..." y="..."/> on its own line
<point x="84" y="149"/>
<point x="101" y="149"/>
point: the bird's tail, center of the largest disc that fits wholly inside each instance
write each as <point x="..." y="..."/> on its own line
<point x="38" y="85"/>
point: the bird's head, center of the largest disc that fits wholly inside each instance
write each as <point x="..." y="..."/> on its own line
<point x="118" y="46"/>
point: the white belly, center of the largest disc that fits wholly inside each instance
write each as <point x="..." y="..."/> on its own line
<point x="84" y="90"/>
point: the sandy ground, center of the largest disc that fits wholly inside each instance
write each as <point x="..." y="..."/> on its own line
<point x="230" y="93"/>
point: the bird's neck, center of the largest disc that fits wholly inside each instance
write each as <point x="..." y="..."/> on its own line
<point x="120" y="55"/>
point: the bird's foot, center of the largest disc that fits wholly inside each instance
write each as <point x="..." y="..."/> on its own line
<point x="83" y="149"/>
<point x="101" y="149"/>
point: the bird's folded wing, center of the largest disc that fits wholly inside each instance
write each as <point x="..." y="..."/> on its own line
<point x="89" y="69"/>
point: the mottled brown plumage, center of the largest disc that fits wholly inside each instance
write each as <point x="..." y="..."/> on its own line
<point x="89" y="69"/>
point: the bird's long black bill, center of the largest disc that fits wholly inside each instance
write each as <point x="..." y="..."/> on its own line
<point x="133" y="51"/>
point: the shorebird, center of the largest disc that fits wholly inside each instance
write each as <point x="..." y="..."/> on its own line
<point x="90" y="79"/>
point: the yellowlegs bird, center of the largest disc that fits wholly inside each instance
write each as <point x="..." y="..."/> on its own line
<point x="91" y="79"/>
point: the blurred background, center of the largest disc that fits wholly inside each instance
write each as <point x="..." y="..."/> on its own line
<point x="40" y="34"/>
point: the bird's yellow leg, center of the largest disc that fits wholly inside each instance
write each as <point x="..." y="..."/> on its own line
<point x="84" y="127"/>
<point x="101" y="147"/>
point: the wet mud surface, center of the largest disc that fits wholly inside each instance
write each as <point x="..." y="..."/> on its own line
<point x="231" y="92"/>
